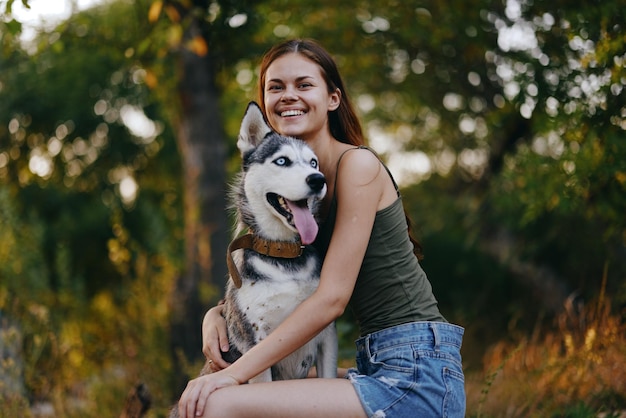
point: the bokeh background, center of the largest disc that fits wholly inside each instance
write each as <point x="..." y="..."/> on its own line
<point x="503" y="121"/>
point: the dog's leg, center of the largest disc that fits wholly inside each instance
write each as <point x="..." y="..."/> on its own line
<point x="326" y="362"/>
<point x="265" y="376"/>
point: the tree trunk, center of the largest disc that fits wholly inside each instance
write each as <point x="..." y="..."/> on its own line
<point x="203" y="150"/>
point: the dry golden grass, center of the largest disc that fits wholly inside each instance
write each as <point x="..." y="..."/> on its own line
<point x="579" y="365"/>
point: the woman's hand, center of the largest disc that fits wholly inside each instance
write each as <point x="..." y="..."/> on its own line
<point x="215" y="338"/>
<point x="196" y="394"/>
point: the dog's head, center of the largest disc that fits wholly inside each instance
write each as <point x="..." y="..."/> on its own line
<point x="280" y="184"/>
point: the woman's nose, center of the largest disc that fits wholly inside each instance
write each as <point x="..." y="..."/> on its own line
<point x="288" y="95"/>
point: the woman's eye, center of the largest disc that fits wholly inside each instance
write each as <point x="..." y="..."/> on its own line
<point x="282" y="161"/>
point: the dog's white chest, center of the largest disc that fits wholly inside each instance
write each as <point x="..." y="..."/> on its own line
<point x="267" y="302"/>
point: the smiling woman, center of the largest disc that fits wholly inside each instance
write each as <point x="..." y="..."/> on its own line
<point x="370" y="262"/>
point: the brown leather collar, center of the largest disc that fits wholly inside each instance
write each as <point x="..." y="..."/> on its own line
<point x="278" y="249"/>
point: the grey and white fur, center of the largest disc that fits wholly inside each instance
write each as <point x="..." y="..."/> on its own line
<point x="275" y="196"/>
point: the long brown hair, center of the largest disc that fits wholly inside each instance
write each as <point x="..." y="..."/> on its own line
<point x="343" y="122"/>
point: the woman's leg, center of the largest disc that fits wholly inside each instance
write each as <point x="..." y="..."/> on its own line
<point x="288" y="398"/>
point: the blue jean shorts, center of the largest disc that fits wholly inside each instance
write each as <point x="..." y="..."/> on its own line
<point x="411" y="370"/>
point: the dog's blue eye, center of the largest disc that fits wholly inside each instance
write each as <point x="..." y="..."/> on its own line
<point x="282" y="161"/>
<point x="314" y="163"/>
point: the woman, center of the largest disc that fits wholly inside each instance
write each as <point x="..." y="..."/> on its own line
<point x="408" y="357"/>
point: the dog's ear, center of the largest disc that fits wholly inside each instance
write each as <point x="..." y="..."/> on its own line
<point x="253" y="129"/>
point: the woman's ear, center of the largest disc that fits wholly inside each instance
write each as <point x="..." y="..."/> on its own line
<point x="334" y="100"/>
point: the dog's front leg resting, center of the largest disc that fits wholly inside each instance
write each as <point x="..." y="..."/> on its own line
<point x="326" y="362"/>
<point x="265" y="376"/>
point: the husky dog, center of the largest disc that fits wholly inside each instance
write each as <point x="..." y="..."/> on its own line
<point x="275" y="198"/>
<point x="272" y="266"/>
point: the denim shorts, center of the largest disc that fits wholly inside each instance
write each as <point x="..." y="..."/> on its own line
<point x="411" y="370"/>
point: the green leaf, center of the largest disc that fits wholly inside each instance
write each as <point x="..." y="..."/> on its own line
<point x="13" y="27"/>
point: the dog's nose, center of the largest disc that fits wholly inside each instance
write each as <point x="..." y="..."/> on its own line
<point x="316" y="181"/>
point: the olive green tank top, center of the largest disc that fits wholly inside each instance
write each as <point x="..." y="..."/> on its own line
<point x="391" y="288"/>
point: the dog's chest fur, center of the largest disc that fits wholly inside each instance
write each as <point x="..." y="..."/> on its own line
<point x="271" y="289"/>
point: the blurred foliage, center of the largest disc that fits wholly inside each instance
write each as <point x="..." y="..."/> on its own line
<point x="87" y="269"/>
<point x="80" y="354"/>
<point x="574" y="370"/>
<point x="514" y="110"/>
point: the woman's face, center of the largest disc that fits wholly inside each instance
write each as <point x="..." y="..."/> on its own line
<point x="297" y="101"/>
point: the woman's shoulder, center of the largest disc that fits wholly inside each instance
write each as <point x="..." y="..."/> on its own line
<point x="359" y="164"/>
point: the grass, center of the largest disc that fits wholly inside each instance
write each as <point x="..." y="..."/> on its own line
<point x="575" y="369"/>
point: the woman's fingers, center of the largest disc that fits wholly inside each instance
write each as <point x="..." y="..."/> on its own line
<point x="202" y="400"/>
<point x="188" y="400"/>
<point x="193" y="399"/>
<point x="215" y="338"/>
<point x="196" y="395"/>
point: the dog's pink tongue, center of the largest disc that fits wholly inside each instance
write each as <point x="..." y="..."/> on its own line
<point x="304" y="221"/>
